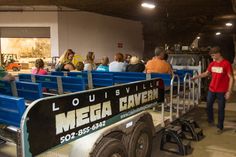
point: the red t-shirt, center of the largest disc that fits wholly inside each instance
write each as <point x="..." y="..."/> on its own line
<point x="219" y="72"/>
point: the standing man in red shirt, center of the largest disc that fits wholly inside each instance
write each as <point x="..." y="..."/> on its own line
<point x="220" y="87"/>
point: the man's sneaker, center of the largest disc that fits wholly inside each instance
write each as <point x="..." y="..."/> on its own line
<point x="219" y="131"/>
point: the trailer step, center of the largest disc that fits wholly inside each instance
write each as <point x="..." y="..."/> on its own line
<point x="197" y="131"/>
<point x="172" y="141"/>
<point x="191" y="129"/>
<point x="187" y="146"/>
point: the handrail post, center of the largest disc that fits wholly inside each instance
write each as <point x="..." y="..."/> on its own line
<point x="59" y="85"/>
<point x="33" y="78"/>
<point x="90" y="79"/>
<point x="14" y="88"/>
<point x="162" y="114"/>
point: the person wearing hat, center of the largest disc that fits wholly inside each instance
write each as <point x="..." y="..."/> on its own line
<point x="220" y="86"/>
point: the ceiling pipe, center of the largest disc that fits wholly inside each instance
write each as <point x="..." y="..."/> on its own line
<point x="32" y="8"/>
<point x="234" y="5"/>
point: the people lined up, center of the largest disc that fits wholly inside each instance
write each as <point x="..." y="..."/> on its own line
<point x="158" y="64"/>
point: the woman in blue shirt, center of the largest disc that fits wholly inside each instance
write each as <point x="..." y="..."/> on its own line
<point x="104" y="64"/>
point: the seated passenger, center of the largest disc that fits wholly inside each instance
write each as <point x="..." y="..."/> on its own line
<point x="104" y="64"/>
<point x="127" y="59"/>
<point x="135" y="65"/>
<point x="79" y="66"/>
<point x="89" y="62"/>
<point x="39" y="68"/>
<point x="166" y="56"/>
<point x="5" y="75"/>
<point x="65" y="61"/>
<point x="118" y="65"/>
<point x="157" y="64"/>
<point x="68" y="67"/>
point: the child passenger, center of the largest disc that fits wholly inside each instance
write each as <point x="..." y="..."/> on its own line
<point x="39" y="70"/>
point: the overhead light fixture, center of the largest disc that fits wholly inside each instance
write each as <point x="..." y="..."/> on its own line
<point x="198" y="37"/>
<point x="218" y="33"/>
<point x="229" y="24"/>
<point x="148" y="5"/>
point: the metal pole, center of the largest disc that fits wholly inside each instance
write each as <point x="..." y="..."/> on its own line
<point x="90" y="79"/>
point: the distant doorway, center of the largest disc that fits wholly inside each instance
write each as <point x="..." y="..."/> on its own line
<point x="25" y="50"/>
<point x="27" y="47"/>
<point x="24" y="45"/>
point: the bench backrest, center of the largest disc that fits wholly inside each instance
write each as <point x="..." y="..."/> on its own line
<point x="29" y="90"/>
<point x="165" y="77"/>
<point x="82" y="75"/>
<point x="11" y="110"/>
<point x="102" y="79"/>
<point x="58" y="73"/>
<point x="77" y="74"/>
<point x="25" y="77"/>
<point x="49" y="82"/>
<point x="126" y="77"/>
<point x="60" y="84"/>
<point x="72" y="84"/>
<point x="5" y="88"/>
<point x="184" y="71"/>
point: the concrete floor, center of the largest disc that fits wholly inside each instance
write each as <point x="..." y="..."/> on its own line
<point x="212" y="145"/>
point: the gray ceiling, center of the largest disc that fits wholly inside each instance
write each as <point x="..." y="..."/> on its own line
<point x="201" y="16"/>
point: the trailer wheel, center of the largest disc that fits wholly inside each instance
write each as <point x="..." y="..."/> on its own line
<point x="140" y="143"/>
<point x="110" y="147"/>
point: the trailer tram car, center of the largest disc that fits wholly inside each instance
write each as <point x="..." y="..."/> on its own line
<point x="118" y="118"/>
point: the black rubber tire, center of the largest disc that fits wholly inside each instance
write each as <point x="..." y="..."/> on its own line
<point x="110" y="147"/>
<point x="140" y="144"/>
